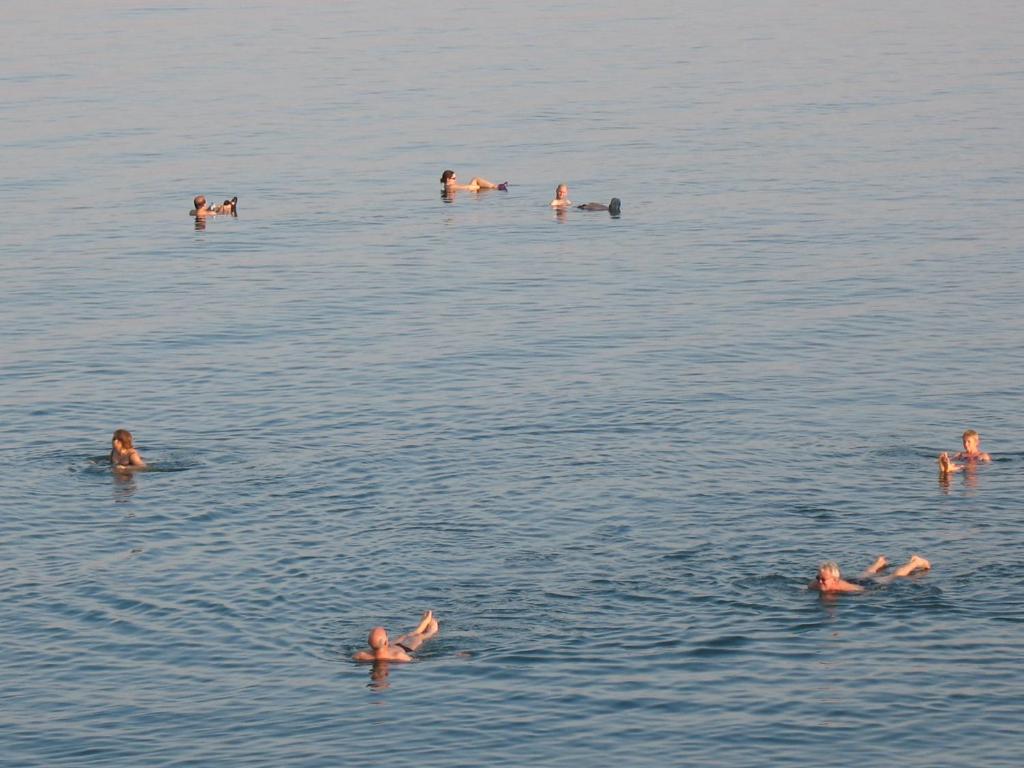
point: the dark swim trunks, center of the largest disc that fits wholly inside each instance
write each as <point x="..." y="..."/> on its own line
<point x="404" y="647"/>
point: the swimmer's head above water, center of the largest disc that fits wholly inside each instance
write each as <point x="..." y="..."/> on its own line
<point x="561" y="199"/>
<point x="122" y="450"/>
<point x="124" y="437"/>
<point x="378" y="638"/>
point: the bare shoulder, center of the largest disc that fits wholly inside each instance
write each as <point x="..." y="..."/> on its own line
<point x="397" y="654"/>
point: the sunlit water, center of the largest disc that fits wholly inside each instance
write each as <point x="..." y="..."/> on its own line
<point x="609" y="453"/>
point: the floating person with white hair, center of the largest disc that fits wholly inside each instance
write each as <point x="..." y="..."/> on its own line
<point x="830" y="579"/>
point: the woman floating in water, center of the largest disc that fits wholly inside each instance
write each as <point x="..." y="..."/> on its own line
<point x="382" y="650"/>
<point x="477" y="183"/>
<point x="830" y="580"/>
<point x="122" y="453"/>
<point x="971" y="453"/>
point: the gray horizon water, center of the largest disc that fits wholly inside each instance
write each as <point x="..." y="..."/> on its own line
<point x="609" y="453"/>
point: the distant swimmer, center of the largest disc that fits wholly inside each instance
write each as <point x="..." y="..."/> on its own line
<point x="830" y="580"/>
<point x="202" y="210"/>
<point x="971" y="453"/>
<point x="561" y="197"/>
<point x="382" y="650"/>
<point x="122" y="452"/>
<point x="451" y="183"/>
<point x="614" y="207"/>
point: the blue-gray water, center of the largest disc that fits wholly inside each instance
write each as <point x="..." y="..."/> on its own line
<point x="609" y="453"/>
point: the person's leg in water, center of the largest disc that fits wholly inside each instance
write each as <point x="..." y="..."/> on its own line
<point x="879" y="565"/>
<point x="913" y="565"/>
<point x="483" y="183"/>
<point x="425" y="630"/>
<point x="946" y="464"/>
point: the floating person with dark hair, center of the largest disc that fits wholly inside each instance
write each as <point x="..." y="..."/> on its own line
<point x="451" y="184"/>
<point x="971" y="453"/>
<point x="202" y="210"/>
<point x="614" y="207"/>
<point x="122" y="452"/>
<point x="830" y="579"/>
<point x="383" y="650"/>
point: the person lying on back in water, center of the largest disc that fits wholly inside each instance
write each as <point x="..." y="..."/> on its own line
<point x="830" y="579"/>
<point x="477" y="183"/>
<point x="202" y="210"/>
<point x="382" y="650"/>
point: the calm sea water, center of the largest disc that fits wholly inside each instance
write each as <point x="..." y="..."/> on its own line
<point x="609" y="453"/>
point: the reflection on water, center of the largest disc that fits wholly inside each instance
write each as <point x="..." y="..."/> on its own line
<point x="125" y="486"/>
<point x="379" y="672"/>
<point x="969" y="477"/>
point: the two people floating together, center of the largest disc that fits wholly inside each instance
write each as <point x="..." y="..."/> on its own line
<point x="830" y="579"/>
<point x="450" y="184"/>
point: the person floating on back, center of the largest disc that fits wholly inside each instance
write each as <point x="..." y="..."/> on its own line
<point x="971" y="453"/>
<point x="614" y="207"/>
<point x="382" y="650"/>
<point x="122" y="452"/>
<point x="202" y="210"/>
<point x="451" y="184"/>
<point x="830" y="579"/>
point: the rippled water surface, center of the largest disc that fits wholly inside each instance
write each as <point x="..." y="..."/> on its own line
<point x="608" y="452"/>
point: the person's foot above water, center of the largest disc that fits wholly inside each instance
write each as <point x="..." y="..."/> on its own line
<point x="880" y="564"/>
<point x="919" y="563"/>
<point x="425" y="621"/>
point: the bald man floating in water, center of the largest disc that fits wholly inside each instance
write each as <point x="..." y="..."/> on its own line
<point x="830" y="580"/>
<point x="202" y="210"/>
<point x="381" y="650"/>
